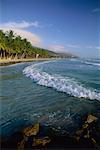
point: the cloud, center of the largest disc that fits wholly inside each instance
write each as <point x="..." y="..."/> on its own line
<point x="34" y="39"/>
<point x="97" y="47"/>
<point x="73" y="46"/>
<point x="20" y="25"/>
<point x="96" y="10"/>
<point x="93" y="47"/>
<point x="57" y="48"/>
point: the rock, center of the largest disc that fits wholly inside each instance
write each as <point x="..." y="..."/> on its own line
<point x="41" y="141"/>
<point x="79" y="132"/>
<point x="85" y="126"/>
<point x="84" y="131"/>
<point x="89" y="131"/>
<point x="21" y="145"/>
<point x="91" y="118"/>
<point x="87" y="135"/>
<point x="29" y="131"/>
<point x="95" y="143"/>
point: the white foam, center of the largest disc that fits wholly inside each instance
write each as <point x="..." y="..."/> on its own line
<point x="60" y="83"/>
<point x="88" y="62"/>
<point x="91" y="63"/>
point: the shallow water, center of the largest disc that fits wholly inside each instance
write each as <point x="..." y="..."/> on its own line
<point x="70" y="89"/>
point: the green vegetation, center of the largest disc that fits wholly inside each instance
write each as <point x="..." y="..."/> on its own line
<point x="14" y="47"/>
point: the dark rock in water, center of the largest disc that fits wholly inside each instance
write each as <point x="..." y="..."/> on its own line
<point x="91" y="119"/>
<point x="21" y="145"/>
<point x="42" y="137"/>
<point x="41" y="141"/>
<point x="89" y="132"/>
<point x="29" y="131"/>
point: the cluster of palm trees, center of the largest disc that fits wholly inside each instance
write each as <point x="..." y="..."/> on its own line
<point x="14" y="47"/>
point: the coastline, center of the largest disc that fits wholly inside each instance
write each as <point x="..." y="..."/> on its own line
<point x="6" y="62"/>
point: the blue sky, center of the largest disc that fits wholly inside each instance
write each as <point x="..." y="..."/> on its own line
<point x="60" y="25"/>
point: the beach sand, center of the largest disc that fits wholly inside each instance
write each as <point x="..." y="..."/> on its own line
<point x="4" y="62"/>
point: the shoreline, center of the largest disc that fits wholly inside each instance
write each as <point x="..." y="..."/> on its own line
<point x="6" y="62"/>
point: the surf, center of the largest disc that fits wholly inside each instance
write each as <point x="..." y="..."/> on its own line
<point x="93" y="64"/>
<point x="64" y="84"/>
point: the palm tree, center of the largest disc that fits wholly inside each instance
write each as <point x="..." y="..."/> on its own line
<point x="14" y="47"/>
<point x="2" y="44"/>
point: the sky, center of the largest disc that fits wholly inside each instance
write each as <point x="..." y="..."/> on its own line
<point x="60" y="25"/>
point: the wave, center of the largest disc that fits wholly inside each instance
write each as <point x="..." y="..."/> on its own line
<point x="63" y="84"/>
<point x="88" y="62"/>
<point x="91" y="63"/>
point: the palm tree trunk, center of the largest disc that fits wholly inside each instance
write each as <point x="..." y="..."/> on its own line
<point x="11" y="56"/>
<point x="4" y="56"/>
<point x="16" y="57"/>
<point x="22" y="56"/>
<point x="0" y="54"/>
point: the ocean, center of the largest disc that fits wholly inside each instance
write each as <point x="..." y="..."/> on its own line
<point x="56" y="93"/>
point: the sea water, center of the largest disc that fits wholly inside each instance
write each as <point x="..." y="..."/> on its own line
<point x="55" y="93"/>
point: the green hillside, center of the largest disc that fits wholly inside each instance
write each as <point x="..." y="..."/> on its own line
<point x="12" y="46"/>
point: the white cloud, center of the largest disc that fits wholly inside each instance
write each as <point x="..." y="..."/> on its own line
<point x="97" y="47"/>
<point x="57" y="48"/>
<point x="96" y="10"/>
<point x="93" y="47"/>
<point x="34" y="39"/>
<point x="73" y="46"/>
<point x="20" y="25"/>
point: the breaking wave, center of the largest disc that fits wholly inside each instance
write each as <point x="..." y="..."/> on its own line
<point x="91" y="63"/>
<point x="63" y="84"/>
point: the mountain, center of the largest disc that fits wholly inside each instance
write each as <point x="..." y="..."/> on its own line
<point x="66" y="55"/>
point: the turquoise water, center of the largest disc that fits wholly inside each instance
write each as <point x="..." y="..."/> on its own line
<point x="55" y="93"/>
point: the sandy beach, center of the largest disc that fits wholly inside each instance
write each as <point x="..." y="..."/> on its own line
<point x="4" y="62"/>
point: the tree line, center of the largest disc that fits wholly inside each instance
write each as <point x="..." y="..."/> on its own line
<point x="14" y="47"/>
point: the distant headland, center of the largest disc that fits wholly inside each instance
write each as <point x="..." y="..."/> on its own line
<point x="14" y="49"/>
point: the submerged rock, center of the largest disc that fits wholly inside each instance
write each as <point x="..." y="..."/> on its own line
<point x="41" y="141"/>
<point x="29" y="131"/>
<point x="90" y="131"/>
<point x="86" y="126"/>
<point x="21" y="145"/>
<point x="42" y="137"/>
<point x="91" y="118"/>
